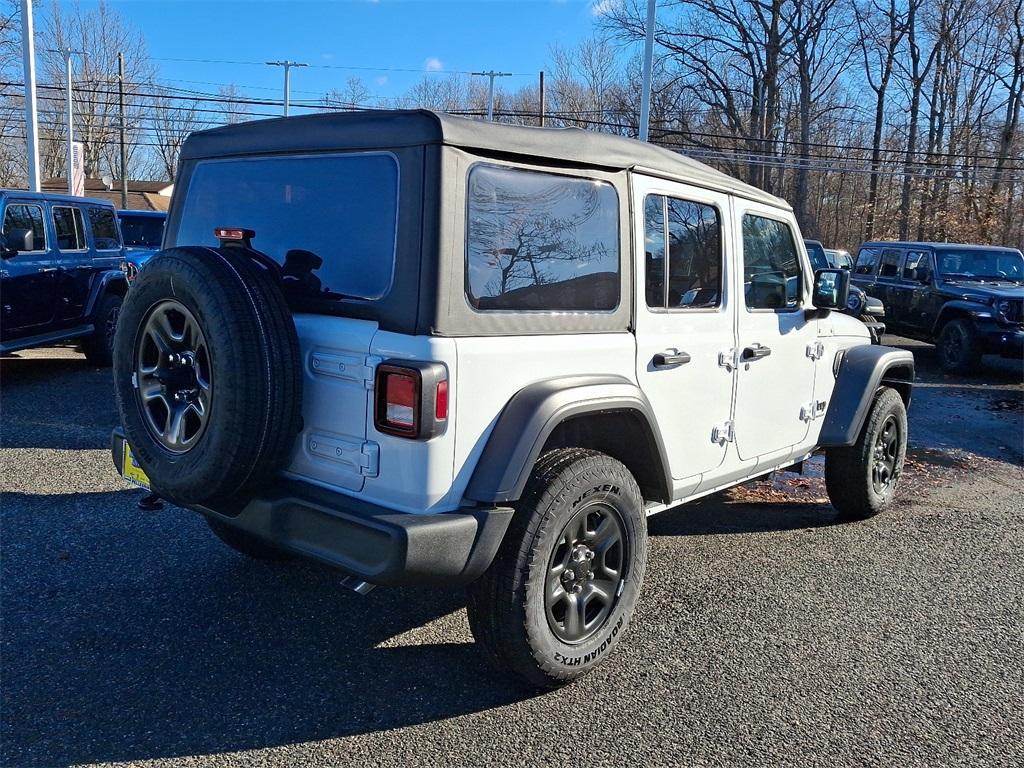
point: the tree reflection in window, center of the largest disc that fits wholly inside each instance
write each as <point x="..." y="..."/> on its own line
<point x="539" y="241"/>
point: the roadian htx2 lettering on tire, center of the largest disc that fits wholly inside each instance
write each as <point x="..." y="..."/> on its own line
<point x="562" y="589"/>
<point x="207" y="373"/>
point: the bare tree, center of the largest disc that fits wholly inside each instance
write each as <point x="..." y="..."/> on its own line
<point x="173" y="119"/>
<point x="233" y="104"/>
<point x="102" y="33"/>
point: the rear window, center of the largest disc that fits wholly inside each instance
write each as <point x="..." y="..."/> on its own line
<point x="540" y="241"/>
<point x="27" y="217"/>
<point x="329" y="220"/>
<point x="142" y="231"/>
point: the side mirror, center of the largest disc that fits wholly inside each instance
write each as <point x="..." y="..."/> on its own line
<point x="17" y="240"/>
<point x="831" y="288"/>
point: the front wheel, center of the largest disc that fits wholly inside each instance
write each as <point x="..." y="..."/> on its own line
<point x="958" y="347"/>
<point x="561" y="590"/>
<point x="861" y="479"/>
<point x="99" y="345"/>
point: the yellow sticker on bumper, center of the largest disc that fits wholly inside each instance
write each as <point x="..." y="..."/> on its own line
<point x="130" y="469"/>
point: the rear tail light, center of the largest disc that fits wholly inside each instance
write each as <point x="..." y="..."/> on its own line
<point x="411" y="399"/>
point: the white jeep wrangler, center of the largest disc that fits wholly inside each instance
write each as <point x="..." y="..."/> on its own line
<point x="426" y="350"/>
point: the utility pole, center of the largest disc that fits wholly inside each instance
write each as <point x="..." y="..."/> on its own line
<point x="645" y="94"/>
<point x="287" y="78"/>
<point x="490" y="89"/>
<point x="124" y="153"/>
<point x="68" y="53"/>
<point x="28" y="49"/>
<point x="542" y="98"/>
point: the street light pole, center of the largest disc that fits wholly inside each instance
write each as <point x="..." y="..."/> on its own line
<point x="124" y="154"/>
<point x="287" y="78"/>
<point x="491" y="74"/>
<point x="28" y="49"/>
<point x="645" y="94"/>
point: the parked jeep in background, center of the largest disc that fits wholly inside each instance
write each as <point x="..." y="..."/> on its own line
<point x="867" y="309"/>
<point x="430" y="350"/>
<point x="60" y="273"/>
<point x="143" y="232"/>
<point x="839" y="258"/>
<point x="966" y="299"/>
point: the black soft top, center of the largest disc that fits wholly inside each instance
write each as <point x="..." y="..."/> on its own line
<point x="384" y="129"/>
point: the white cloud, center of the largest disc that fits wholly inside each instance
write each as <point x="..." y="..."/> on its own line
<point x="433" y="64"/>
<point x="604" y="7"/>
<point x="382" y="80"/>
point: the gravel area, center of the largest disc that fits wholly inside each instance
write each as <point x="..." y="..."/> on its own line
<point x="767" y="634"/>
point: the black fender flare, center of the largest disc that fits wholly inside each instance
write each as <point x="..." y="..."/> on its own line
<point x="533" y="413"/>
<point x="957" y="308"/>
<point x="862" y="371"/>
<point x="110" y="280"/>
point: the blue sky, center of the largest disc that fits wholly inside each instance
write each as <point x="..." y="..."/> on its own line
<point x="513" y="36"/>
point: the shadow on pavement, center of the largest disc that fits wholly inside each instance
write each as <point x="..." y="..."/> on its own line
<point x="129" y="636"/>
<point x="55" y="402"/>
<point x="718" y="515"/>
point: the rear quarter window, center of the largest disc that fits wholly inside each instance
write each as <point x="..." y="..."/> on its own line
<point x="541" y="242"/>
<point x="104" y="228"/>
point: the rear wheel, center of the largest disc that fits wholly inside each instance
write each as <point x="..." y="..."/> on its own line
<point x="861" y="479"/>
<point x="99" y="345"/>
<point x="958" y="347"/>
<point x="563" y="587"/>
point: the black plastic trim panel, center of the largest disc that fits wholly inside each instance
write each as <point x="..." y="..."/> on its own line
<point x="372" y="543"/>
<point x="862" y="371"/>
<point x="531" y="416"/>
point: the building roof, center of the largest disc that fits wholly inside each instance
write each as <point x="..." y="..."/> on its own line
<point x="142" y="195"/>
<point x="378" y="129"/>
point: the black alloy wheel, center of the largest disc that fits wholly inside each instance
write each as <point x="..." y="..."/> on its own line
<point x="174" y="376"/>
<point x="886" y="453"/>
<point x="585" y="572"/>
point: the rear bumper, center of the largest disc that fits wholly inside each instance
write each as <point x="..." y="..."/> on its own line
<point x="372" y="543"/>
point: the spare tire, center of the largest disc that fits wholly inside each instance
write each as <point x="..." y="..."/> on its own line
<point x="207" y="373"/>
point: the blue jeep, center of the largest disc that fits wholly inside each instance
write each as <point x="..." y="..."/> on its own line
<point x="143" y="231"/>
<point x="60" y="272"/>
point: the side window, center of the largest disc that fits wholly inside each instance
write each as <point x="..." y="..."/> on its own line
<point x="693" y="237"/>
<point x="917" y="260"/>
<point x="541" y="242"/>
<point x="654" y="250"/>
<point x="771" y="267"/>
<point x="69" y="228"/>
<point x="27" y="217"/>
<point x="867" y="259"/>
<point x="890" y="266"/>
<point x="104" y="228"/>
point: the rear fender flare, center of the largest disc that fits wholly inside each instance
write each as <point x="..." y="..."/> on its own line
<point x="533" y="413"/>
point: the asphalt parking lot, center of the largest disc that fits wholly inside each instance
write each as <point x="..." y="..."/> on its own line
<point x="766" y="634"/>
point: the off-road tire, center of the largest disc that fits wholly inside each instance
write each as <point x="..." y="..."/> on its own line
<point x="958" y="348"/>
<point x="849" y="471"/>
<point x="507" y="610"/>
<point x="99" y="345"/>
<point x="255" y="369"/>
<point x="247" y="544"/>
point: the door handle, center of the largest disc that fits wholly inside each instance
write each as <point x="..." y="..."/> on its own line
<point x="670" y="359"/>
<point x="49" y="269"/>
<point x="755" y="352"/>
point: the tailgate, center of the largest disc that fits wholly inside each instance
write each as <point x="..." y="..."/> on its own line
<point x="337" y="382"/>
